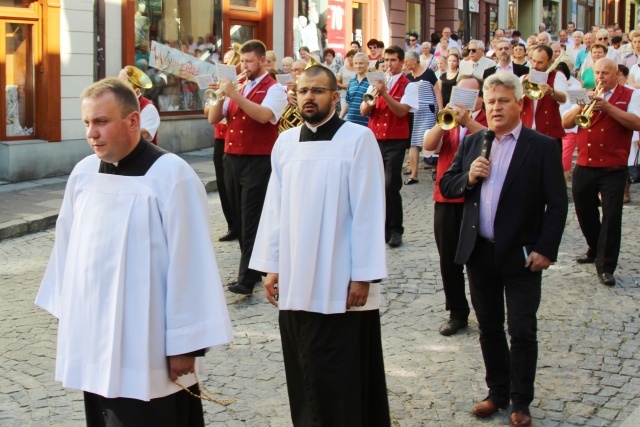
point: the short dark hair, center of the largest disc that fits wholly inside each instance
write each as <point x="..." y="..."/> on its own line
<point x="255" y="46"/>
<point x="350" y="53"/>
<point x="356" y="42"/>
<point x="317" y="70"/>
<point x="378" y="62"/>
<point x="380" y="44"/>
<point x="306" y="49"/>
<point x="329" y="51"/>
<point x="125" y="97"/>
<point x="372" y="42"/>
<point x="546" y="49"/>
<point x="623" y="69"/>
<point x="413" y="34"/>
<point x="393" y="49"/>
<point x="516" y="33"/>
<point x="454" y="37"/>
<point x="616" y="40"/>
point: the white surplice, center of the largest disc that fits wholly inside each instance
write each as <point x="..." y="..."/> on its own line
<point x="322" y="224"/>
<point x="132" y="279"/>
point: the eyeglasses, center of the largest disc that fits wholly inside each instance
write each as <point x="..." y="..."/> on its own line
<point x="473" y="50"/>
<point x="413" y="40"/>
<point x="603" y="38"/>
<point x="316" y="91"/>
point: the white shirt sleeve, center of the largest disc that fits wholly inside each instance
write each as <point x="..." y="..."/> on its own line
<point x="410" y="97"/>
<point x="276" y="101"/>
<point x="634" y="103"/>
<point x="150" y="120"/>
<point x="560" y="84"/>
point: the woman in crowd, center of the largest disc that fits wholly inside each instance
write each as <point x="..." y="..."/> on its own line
<point x="329" y="61"/>
<point x="427" y="58"/>
<point x="344" y="75"/>
<point x="444" y="42"/>
<point x="287" y="62"/>
<point x="447" y="81"/>
<point x="597" y="50"/>
<point x="441" y="62"/>
<point x="519" y="55"/>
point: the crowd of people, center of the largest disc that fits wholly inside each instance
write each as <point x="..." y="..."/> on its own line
<point x="315" y="204"/>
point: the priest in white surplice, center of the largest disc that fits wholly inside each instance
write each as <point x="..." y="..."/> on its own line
<point x="132" y="277"/>
<point x="321" y="241"/>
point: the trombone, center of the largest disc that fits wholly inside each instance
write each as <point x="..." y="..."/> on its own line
<point x="583" y="120"/>
<point x="370" y="98"/>
<point x="532" y="90"/>
<point x="212" y="97"/>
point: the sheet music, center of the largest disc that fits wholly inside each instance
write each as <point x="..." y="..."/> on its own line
<point x="465" y="97"/>
<point x="578" y="96"/>
<point x="373" y="76"/>
<point x="227" y="72"/>
<point x="283" y="79"/>
<point x="204" y="80"/>
<point x="537" y="77"/>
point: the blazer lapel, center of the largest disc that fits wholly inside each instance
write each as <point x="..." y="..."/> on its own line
<point x="523" y="144"/>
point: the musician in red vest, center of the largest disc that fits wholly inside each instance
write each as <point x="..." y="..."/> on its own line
<point x="447" y="213"/>
<point x="544" y="115"/>
<point x="603" y="149"/>
<point x="252" y="115"/>
<point x="149" y="116"/>
<point x="389" y="121"/>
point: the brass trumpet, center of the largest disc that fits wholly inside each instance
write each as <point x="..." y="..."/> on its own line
<point x="583" y="120"/>
<point x="532" y="90"/>
<point x="370" y="98"/>
<point x="212" y="97"/>
<point x="447" y="119"/>
<point x="291" y="118"/>
<point x="137" y="78"/>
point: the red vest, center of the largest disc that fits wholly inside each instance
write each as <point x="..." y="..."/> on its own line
<point x="144" y="102"/>
<point x="246" y="136"/>
<point x="606" y="143"/>
<point x="450" y="143"/>
<point x="383" y="122"/>
<point x="548" y="120"/>
<point x="220" y="130"/>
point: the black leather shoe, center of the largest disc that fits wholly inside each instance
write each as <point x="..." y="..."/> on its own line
<point x="239" y="288"/>
<point x="607" y="279"/>
<point x="387" y="236"/>
<point x="585" y="259"/>
<point x="395" y="240"/>
<point x="452" y="326"/>
<point x="231" y="235"/>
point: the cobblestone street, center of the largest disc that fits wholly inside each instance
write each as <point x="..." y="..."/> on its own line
<point x="588" y="333"/>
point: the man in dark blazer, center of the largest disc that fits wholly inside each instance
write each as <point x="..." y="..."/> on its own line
<point x="503" y="50"/>
<point x="514" y="215"/>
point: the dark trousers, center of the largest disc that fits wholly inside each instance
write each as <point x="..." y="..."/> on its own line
<point x="447" y="219"/>
<point x="218" y="166"/>
<point x="510" y="372"/>
<point x="334" y="368"/>
<point x="175" y="410"/>
<point x="393" y="151"/>
<point x="603" y="237"/>
<point x="246" y="178"/>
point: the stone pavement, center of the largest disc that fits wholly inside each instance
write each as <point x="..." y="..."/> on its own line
<point x="589" y="338"/>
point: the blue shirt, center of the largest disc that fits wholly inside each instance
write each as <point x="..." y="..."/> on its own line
<point x="580" y="57"/>
<point x="355" y="92"/>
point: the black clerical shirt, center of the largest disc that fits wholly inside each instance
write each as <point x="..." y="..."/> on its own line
<point x="137" y="162"/>
<point x="324" y="132"/>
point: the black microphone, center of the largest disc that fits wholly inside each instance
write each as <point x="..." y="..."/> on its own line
<point x="489" y="136"/>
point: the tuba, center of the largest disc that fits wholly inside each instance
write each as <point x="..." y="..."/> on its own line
<point x="583" y="120"/>
<point x="137" y="78"/>
<point x="212" y="97"/>
<point x="291" y="117"/>
<point x="370" y="98"/>
<point x="532" y="90"/>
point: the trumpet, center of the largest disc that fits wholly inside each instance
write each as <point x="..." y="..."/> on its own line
<point x="447" y="119"/>
<point x="532" y="90"/>
<point x="370" y="98"/>
<point x="583" y="120"/>
<point x="212" y="97"/>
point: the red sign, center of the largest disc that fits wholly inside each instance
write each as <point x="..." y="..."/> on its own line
<point x="335" y="25"/>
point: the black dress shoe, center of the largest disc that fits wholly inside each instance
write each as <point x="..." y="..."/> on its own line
<point x="395" y="240"/>
<point x="387" y="236"/>
<point x="585" y="259"/>
<point x="607" y="279"/>
<point x="231" y="235"/>
<point x="453" y="326"/>
<point x="239" y="288"/>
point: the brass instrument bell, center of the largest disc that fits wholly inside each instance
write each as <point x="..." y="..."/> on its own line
<point x="532" y="90"/>
<point x="291" y="118"/>
<point x="583" y="120"/>
<point x="447" y="119"/>
<point x="137" y="78"/>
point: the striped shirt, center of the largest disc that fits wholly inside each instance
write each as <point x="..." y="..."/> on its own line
<point x="425" y="118"/>
<point x="355" y="92"/>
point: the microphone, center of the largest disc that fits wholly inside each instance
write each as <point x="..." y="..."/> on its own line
<point x="489" y="136"/>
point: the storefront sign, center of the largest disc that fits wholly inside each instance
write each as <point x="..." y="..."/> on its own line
<point x="178" y="63"/>
<point x="335" y="25"/>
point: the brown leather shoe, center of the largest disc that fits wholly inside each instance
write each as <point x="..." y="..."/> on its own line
<point x="486" y="408"/>
<point x="520" y="419"/>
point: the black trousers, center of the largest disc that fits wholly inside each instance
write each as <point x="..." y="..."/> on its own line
<point x="510" y="371"/>
<point x="246" y="179"/>
<point x="393" y="151"/>
<point x="218" y="166"/>
<point x="334" y="368"/>
<point x="603" y="236"/>
<point x="176" y="410"/>
<point x="447" y="219"/>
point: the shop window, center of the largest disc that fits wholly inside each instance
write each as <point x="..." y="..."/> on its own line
<point x="414" y="19"/>
<point x="186" y="27"/>
<point x="310" y="27"/>
<point x="550" y="16"/>
<point x="473" y="23"/>
<point x="18" y="78"/>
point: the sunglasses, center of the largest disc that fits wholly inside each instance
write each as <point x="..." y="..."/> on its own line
<point x="473" y="50"/>
<point x="413" y="40"/>
<point x="603" y="38"/>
